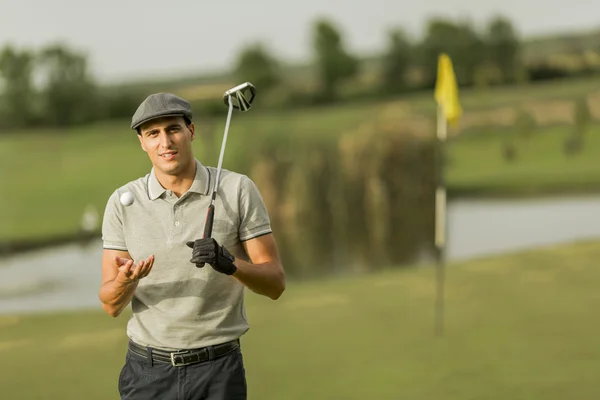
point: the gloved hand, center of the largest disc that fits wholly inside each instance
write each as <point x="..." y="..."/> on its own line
<point x="210" y="252"/>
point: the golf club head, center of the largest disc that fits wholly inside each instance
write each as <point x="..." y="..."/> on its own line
<point x="242" y="96"/>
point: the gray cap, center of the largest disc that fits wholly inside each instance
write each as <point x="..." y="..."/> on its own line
<point x="161" y="105"/>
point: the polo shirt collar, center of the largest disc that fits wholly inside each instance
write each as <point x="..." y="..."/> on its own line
<point x="200" y="185"/>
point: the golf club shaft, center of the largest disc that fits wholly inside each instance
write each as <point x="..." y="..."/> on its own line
<point x="223" y="147"/>
<point x="210" y="214"/>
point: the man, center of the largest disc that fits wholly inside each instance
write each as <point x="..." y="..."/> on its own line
<point x="187" y="318"/>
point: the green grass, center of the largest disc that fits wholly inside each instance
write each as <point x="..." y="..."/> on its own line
<point x="511" y="95"/>
<point x="478" y="167"/>
<point x="47" y="177"/>
<point x="519" y="326"/>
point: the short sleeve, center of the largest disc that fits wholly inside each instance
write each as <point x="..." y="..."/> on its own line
<point x="112" y="225"/>
<point x="254" y="219"/>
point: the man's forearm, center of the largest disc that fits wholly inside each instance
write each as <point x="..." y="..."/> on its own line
<point x="265" y="279"/>
<point x="116" y="295"/>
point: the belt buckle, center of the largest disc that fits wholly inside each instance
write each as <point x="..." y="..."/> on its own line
<point x="181" y="354"/>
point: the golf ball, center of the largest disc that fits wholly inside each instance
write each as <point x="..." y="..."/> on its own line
<point x="126" y="199"/>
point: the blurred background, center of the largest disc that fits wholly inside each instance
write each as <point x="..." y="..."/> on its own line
<point x="341" y="143"/>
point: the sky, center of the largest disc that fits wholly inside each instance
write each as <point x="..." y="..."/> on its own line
<point x="134" y="39"/>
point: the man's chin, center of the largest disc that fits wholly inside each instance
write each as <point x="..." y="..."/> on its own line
<point x="169" y="167"/>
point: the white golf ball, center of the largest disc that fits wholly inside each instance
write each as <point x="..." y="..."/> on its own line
<point x="126" y="199"/>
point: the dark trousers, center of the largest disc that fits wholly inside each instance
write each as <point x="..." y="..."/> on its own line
<point x="220" y="378"/>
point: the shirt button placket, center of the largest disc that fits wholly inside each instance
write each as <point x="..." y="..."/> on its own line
<point x="176" y="221"/>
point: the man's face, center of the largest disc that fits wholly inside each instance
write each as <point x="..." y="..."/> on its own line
<point x="168" y="142"/>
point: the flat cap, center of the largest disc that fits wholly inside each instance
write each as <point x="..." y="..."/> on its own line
<point x="159" y="105"/>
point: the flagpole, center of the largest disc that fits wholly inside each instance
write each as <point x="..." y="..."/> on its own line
<point x="440" y="220"/>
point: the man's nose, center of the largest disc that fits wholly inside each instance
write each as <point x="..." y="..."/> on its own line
<point x="165" y="140"/>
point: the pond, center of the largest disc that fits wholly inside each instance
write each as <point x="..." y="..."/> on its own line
<point x="487" y="227"/>
<point x="68" y="277"/>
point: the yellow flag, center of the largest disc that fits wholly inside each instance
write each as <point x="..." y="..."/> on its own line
<point x="446" y="89"/>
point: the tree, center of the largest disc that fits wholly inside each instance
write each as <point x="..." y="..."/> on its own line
<point x="334" y="63"/>
<point x="18" y="94"/>
<point x="255" y="64"/>
<point x="503" y="47"/>
<point x="69" y="93"/>
<point x="460" y="41"/>
<point x="396" y="61"/>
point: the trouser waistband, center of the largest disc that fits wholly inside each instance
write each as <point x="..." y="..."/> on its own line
<point x="180" y="358"/>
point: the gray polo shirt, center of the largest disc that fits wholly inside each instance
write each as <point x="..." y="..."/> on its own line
<point x="178" y="305"/>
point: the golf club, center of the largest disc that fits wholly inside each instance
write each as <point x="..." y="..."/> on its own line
<point x="240" y="98"/>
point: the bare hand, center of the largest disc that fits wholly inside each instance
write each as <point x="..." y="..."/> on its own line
<point x="128" y="272"/>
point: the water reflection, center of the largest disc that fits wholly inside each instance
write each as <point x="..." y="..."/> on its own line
<point x="68" y="277"/>
<point x="480" y="228"/>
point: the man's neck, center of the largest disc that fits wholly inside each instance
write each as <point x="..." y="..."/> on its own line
<point x="178" y="184"/>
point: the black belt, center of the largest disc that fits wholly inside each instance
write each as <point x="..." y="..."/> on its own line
<point x="185" y="357"/>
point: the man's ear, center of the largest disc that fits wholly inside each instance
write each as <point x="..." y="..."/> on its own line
<point x="192" y="129"/>
<point x="141" y="142"/>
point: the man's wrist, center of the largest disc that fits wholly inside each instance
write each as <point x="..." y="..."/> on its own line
<point x="236" y="263"/>
<point x="228" y="259"/>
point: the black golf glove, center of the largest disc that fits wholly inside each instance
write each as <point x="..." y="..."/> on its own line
<point x="208" y="251"/>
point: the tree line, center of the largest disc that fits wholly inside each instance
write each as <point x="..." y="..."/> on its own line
<point x="488" y="57"/>
<point x="494" y="54"/>
<point x="54" y="86"/>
